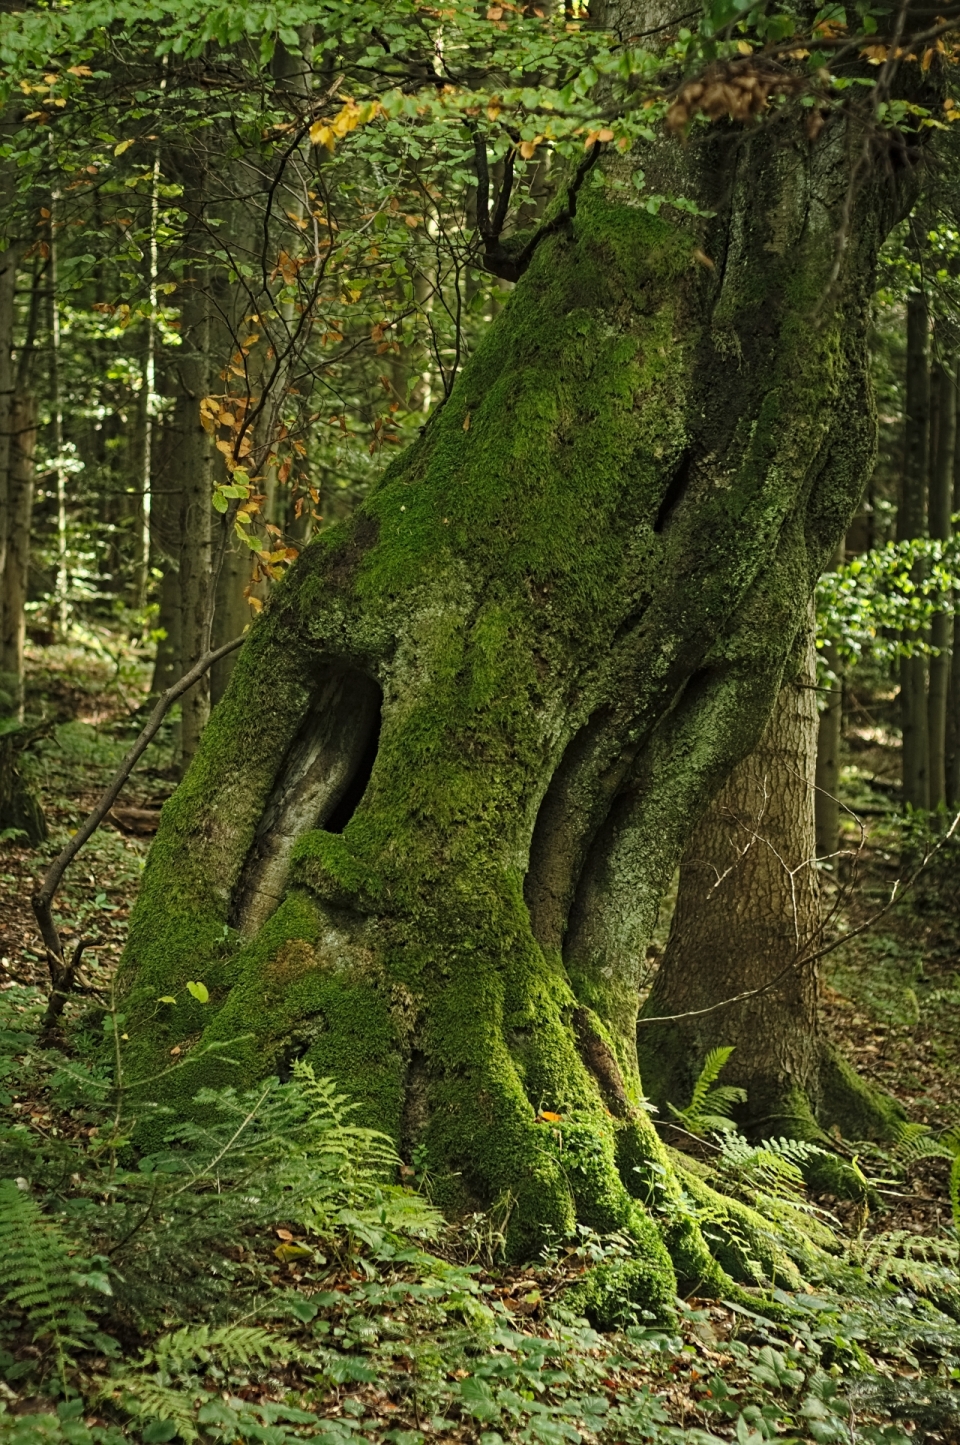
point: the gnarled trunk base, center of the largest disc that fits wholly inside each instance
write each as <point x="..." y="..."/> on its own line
<point x="573" y="599"/>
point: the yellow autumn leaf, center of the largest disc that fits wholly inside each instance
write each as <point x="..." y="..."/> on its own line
<point x="124" y="145"/>
<point x="286" y="1253"/>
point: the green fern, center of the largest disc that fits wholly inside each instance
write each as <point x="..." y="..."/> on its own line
<point x="710" y="1105"/>
<point x="165" y="1383"/>
<point x="773" y="1169"/>
<point x="37" y="1272"/>
<point x="228" y="1345"/>
<point x="955" y="1190"/>
<point x="917" y="1141"/>
<point x="147" y="1398"/>
<point x="926" y="1265"/>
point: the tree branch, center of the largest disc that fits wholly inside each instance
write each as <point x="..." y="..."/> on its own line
<point x="63" y="974"/>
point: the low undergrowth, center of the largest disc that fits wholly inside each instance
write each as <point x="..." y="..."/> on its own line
<point x="256" y="1279"/>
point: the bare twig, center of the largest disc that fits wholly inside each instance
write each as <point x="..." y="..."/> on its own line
<point x="797" y="963"/>
<point x="62" y="973"/>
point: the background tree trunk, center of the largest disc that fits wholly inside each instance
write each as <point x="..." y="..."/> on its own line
<point x="165" y="542"/>
<point x="747" y="914"/>
<point x="23" y="441"/>
<point x="10" y="688"/>
<point x="941" y="627"/>
<point x="912" y="522"/>
<point x="425" y="835"/>
<point x="193" y="459"/>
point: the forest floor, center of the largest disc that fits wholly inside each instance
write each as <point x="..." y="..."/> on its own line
<point x="890" y="999"/>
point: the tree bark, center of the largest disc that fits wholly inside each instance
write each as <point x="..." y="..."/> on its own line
<point x="941" y="626"/>
<point x="952" y="768"/>
<point x="748" y="909"/>
<point x="912" y="522"/>
<point x="10" y="681"/>
<point x="747" y="916"/>
<point x="193" y="459"/>
<point x="16" y="574"/>
<point x="425" y="835"/>
<point x="165" y="547"/>
<point x="826" y="806"/>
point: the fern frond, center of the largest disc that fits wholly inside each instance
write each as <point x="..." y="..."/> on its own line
<point x="917" y="1141"/>
<point x="145" y="1397"/>
<point x="709" y="1107"/>
<point x="37" y="1271"/>
<point x="712" y="1066"/>
<point x="927" y="1265"/>
<point x="228" y="1345"/>
<point x="955" y="1190"/>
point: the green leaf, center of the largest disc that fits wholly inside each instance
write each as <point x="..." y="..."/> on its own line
<point x="199" y="991"/>
<point x="166" y="998"/>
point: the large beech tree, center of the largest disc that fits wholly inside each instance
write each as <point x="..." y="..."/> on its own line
<point x="426" y="832"/>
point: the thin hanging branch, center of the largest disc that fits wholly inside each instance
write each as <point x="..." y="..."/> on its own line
<point x="63" y="974"/>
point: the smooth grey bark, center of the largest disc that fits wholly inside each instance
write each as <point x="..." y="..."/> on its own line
<point x="747" y="921"/>
<point x="747" y="913"/>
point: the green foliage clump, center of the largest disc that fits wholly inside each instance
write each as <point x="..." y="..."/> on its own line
<point x="258" y="1277"/>
<point x="711" y="1103"/>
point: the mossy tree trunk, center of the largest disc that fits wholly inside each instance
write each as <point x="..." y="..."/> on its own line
<point x="826" y="805"/>
<point x="425" y="835"/>
<point x="748" y="921"/>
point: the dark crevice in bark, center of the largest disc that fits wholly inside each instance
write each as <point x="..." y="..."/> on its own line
<point x="600" y="1059"/>
<point x="675" y="492"/>
<point x="357" y="785"/>
<point x="416" y="1107"/>
<point x="573" y="808"/>
<point x="320" y="783"/>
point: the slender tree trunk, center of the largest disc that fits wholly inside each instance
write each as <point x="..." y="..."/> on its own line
<point x="232" y="613"/>
<point x="953" y="682"/>
<point x="829" y="739"/>
<point x="912" y="522"/>
<point x="10" y="680"/>
<point x="62" y="592"/>
<point x="165" y="546"/>
<point x="192" y="458"/>
<point x="941" y="627"/>
<point x="424" y="838"/>
<point x="16" y="573"/>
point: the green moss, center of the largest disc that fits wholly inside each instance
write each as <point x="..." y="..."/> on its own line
<point x="611" y="1291"/>
<point x="850" y="1104"/>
